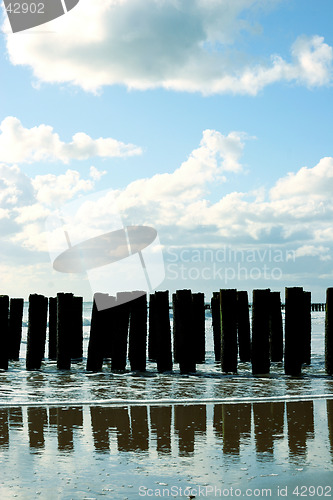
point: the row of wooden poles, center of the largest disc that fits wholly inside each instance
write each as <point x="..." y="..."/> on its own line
<point x="119" y="330"/>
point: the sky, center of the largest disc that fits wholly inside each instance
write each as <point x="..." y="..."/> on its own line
<point x="207" y="120"/>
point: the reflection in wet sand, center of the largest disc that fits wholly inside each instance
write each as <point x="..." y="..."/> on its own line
<point x="37" y="420"/>
<point x="137" y="427"/>
<point x="300" y="427"/>
<point x="189" y="421"/>
<point x="4" y="430"/>
<point x="329" y="409"/>
<point x="267" y="439"/>
<point x="160" y="422"/>
<point x="268" y="426"/>
<point x="139" y="424"/>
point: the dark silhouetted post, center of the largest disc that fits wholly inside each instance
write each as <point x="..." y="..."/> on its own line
<point x="137" y="341"/>
<point x="64" y="330"/>
<point x="183" y="315"/>
<point x="77" y="329"/>
<point x="329" y="332"/>
<point x="95" y="347"/>
<point x="152" y="338"/>
<point x="307" y="328"/>
<point x="216" y="324"/>
<point x="276" y="327"/>
<point x="100" y="329"/>
<point x="198" y="304"/>
<point x="243" y="326"/>
<point x="4" y="343"/>
<point x="122" y="313"/>
<point x="260" y="332"/>
<point x="108" y="318"/>
<point x="36" y="331"/>
<point x="175" y="326"/>
<point x="294" y="331"/>
<point x="53" y="328"/>
<point x="162" y="330"/>
<point x="15" y="328"/>
<point x="228" y="304"/>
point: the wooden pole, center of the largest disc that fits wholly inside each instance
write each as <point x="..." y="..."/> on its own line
<point x="198" y="306"/>
<point x="184" y="318"/>
<point x="307" y="328"/>
<point x="275" y="327"/>
<point x="77" y="329"/>
<point x="175" y="326"/>
<point x="53" y="328"/>
<point x="329" y="332"/>
<point x="294" y="331"/>
<point x="108" y="318"/>
<point x="64" y="330"/>
<point x="122" y="313"/>
<point x="216" y="324"/>
<point x="228" y="304"/>
<point x="243" y="326"/>
<point x="15" y="328"/>
<point x="100" y="329"/>
<point x="152" y="337"/>
<point x="260" y="332"/>
<point x="4" y="341"/>
<point x="162" y="332"/>
<point x="137" y="342"/>
<point x="36" y="331"/>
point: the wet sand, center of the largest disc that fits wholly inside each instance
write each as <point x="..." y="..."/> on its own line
<point x="208" y="450"/>
<point x="78" y="435"/>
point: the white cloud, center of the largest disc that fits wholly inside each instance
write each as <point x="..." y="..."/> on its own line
<point x="19" y="144"/>
<point x="58" y="189"/>
<point x="25" y="203"/>
<point x="216" y="155"/>
<point x="96" y="174"/>
<point x="16" y="187"/>
<point x="177" y="44"/>
<point x="313" y="251"/>
<point x="297" y="211"/>
<point x="319" y="179"/>
<point x="31" y="213"/>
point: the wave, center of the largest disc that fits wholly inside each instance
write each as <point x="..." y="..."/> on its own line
<point x="169" y="401"/>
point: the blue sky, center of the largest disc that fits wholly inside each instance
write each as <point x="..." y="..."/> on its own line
<point x="210" y="120"/>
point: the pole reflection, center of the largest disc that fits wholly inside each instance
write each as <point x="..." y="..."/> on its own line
<point x="37" y="420"/>
<point x="160" y="422"/>
<point x="300" y="428"/>
<point x="268" y="426"/>
<point x="329" y="410"/>
<point x="4" y="428"/>
<point x="183" y="430"/>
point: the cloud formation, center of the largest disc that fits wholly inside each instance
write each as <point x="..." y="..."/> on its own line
<point x="297" y="211"/>
<point x="178" y="45"/>
<point x="295" y="214"/>
<point x="19" y="144"/>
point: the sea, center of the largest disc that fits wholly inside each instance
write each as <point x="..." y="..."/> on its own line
<point x="79" y="435"/>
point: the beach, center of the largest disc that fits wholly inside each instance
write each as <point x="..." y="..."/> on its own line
<point x="80" y="435"/>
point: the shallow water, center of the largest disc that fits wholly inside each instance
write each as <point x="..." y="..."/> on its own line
<point x="77" y="435"/>
<point x="170" y="450"/>
<point x="51" y="385"/>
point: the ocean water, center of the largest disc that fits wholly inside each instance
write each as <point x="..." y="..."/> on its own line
<point x="208" y="384"/>
<point x="78" y="435"/>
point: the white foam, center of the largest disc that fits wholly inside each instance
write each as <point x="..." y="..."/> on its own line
<point x="169" y="401"/>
